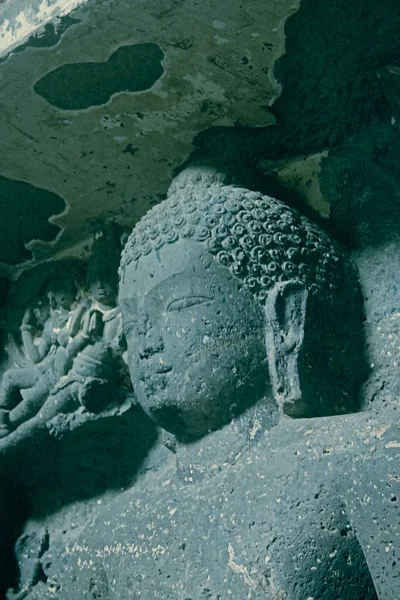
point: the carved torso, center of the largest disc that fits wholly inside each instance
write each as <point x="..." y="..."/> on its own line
<point x="268" y="517"/>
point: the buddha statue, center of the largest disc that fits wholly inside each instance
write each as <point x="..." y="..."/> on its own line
<point x="243" y="322"/>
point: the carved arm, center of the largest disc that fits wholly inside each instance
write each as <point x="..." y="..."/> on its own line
<point x="35" y="353"/>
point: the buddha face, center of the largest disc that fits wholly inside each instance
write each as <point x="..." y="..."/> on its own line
<point x="195" y="338"/>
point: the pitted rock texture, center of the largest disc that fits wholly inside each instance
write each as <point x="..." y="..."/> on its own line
<point x="339" y="99"/>
<point x="294" y="519"/>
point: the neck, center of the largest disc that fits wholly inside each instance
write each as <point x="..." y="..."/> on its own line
<point x="106" y="305"/>
<point x="221" y="448"/>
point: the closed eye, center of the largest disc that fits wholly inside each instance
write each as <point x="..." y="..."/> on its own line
<point x="187" y="302"/>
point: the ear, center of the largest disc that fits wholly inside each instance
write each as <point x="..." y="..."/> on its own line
<point x="285" y="312"/>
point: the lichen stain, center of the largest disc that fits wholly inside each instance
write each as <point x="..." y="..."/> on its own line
<point x="237" y="568"/>
<point x="78" y="86"/>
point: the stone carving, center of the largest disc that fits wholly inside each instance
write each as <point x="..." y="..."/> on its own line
<point x="77" y="360"/>
<point x="238" y="310"/>
<point x="225" y="341"/>
<point x="212" y="278"/>
<point x="24" y="389"/>
<point x="92" y="379"/>
<point x="306" y="510"/>
<point x="231" y="302"/>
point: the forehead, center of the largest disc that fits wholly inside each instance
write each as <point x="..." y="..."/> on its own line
<point x="65" y="288"/>
<point x="180" y="266"/>
<point x="103" y="281"/>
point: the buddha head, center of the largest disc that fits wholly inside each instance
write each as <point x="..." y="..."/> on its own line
<point x="229" y="298"/>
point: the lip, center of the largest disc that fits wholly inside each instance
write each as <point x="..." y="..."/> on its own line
<point x="147" y="374"/>
<point x="150" y="370"/>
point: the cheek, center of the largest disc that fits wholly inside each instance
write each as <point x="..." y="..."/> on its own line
<point x="132" y="342"/>
<point x="185" y="334"/>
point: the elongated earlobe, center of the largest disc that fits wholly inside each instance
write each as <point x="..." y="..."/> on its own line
<point x="286" y="311"/>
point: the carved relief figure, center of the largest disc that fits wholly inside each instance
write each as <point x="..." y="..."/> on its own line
<point x="92" y="379"/>
<point x="78" y="357"/>
<point x="24" y="389"/>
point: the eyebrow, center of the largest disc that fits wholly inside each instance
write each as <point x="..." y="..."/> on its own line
<point x="196" y="298"/>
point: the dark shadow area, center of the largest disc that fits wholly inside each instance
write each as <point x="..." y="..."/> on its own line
<point x="335" y="363"/>
<point x="24" y="213"/>
<point x="99" y="455"/>
<point x="4" y="288"/>
<point x="4" y="291"/>
<point x="78" y="86"/>
<point x="48" y="473"/>
<point x="336" y="95"/>
<point x="329" y="71"/>
<point x="13" y="512"/>
<point x="330" y="87"/>
<point x="360" y="179"/>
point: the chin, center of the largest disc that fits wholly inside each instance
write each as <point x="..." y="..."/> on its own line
<point x="191" y="409"/>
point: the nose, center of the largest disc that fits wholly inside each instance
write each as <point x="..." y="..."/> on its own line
<point x="152" y="342"/>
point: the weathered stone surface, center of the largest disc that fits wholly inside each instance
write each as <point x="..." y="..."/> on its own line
<point x="229" y="517"/>
<point x="77" y="86"/>
<point x="217" y="71"/>
<point x="292" y="513"/>
<point x="68" y="354"/>
<point x="21" y="18"/>
<point x="340" y="475"/>
<point x="229" y="297"/>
